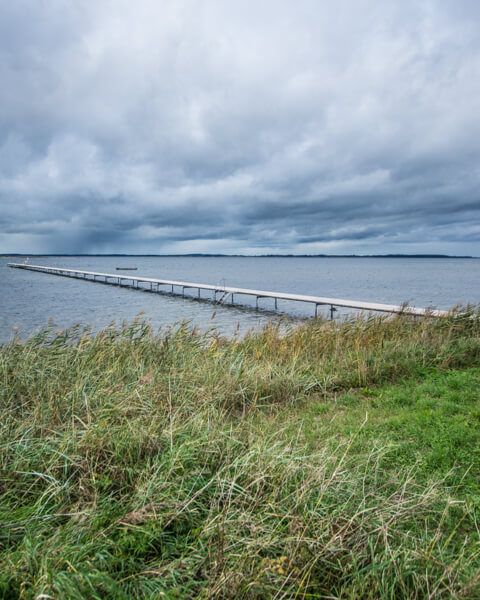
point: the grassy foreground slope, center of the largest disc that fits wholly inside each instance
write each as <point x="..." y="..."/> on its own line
<point x="324" y="461"/>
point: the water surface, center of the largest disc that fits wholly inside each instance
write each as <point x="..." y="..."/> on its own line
<point x="28" y="299"/>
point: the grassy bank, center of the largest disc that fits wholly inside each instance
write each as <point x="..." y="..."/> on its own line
<point x="318" y="462"/>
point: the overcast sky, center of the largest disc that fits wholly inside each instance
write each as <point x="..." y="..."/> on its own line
<point x="283" y="126"/>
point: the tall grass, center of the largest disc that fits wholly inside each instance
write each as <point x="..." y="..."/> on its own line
<point x="137" y="464"/>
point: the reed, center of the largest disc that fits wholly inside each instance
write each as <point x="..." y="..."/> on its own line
<point x="294" y="462"/>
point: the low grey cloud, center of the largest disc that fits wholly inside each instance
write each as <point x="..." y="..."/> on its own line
<point x="250" y="127"/>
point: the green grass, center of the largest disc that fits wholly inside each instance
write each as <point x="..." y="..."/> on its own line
<point x="315" y="461"/>
<point x="433" y="421"/>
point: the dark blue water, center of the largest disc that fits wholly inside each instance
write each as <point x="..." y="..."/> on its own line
<point x="28" y="299"/>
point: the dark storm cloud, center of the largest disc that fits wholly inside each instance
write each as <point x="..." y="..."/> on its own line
<point x="240" y="127"/>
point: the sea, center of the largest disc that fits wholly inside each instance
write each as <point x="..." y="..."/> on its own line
<point x="30" y="301"/>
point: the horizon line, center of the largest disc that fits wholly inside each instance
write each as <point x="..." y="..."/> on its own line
<point x="213" y="255"/>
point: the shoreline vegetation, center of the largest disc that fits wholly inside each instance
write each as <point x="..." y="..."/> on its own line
<point x="318" y="460"/>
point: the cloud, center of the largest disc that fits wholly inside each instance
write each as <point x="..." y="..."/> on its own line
<point x="239" y="126"/>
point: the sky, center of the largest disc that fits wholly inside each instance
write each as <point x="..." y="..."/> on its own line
<point x="252" y="127"/>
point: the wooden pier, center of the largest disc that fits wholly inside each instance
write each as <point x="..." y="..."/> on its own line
<point x="228" y="293"/>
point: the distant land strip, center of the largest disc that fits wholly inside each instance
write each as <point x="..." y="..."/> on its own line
<point x="206" y="255"/>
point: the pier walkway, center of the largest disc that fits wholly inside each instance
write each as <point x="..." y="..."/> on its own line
<point x="228" y="293"/>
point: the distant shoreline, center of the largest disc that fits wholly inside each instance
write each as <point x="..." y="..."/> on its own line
<point x="201" y="255"/>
